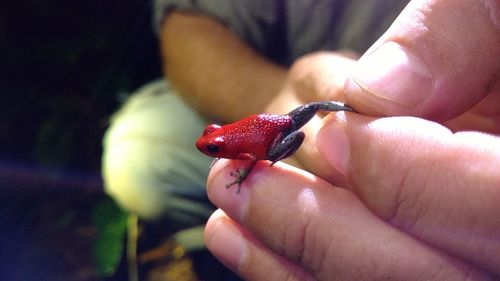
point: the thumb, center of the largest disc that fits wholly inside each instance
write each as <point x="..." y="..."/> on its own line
<point x="438" y="59"/>
<point x="441" y="187"/>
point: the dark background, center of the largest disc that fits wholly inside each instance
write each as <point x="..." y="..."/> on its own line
<point x="65" y="66"/>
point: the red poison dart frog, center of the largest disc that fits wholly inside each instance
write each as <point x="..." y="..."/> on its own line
<point x="270" y="137"/>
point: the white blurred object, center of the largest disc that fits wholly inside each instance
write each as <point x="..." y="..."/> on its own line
<point x="150" y="163"/>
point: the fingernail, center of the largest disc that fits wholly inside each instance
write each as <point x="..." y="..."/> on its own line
<point x="226" y="242"/>
<point x="334" y="145"/>
<point x="393" y="73"/>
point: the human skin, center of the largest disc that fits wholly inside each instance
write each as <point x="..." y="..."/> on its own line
<point x="406" y="216"/>
<point x="417" y="199"/>
<point x="213" y="71"/>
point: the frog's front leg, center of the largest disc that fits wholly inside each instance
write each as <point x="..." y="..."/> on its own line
<point x="284" y="147"/>
<point x="242" y="173"/>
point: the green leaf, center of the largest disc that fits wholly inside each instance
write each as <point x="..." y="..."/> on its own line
<point x="111" y="224"/>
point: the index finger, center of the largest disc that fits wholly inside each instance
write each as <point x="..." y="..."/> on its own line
<point x="441" y="187"/>
<point x="325" y="230"/>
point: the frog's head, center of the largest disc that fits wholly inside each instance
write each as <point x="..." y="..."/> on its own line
<point x="210" y="143"/>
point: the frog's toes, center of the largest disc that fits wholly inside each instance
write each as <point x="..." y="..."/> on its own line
<point x="239" y="173"/>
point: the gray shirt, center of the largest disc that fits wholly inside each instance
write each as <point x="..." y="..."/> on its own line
<point x="283" y="30"/>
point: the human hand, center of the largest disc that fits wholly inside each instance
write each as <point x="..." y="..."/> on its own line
<point x="440" y="61"/>
<point x="423" y="206"/>
<point x="422" y="203"/>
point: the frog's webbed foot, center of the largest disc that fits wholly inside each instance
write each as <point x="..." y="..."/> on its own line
<point x="241" y="174"/>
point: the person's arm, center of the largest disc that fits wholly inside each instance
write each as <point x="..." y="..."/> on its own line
<point x="214" y="71"/>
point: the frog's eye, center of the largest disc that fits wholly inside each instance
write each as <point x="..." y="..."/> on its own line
<point x="212" y="148"/>
<point x="211" y="128"/>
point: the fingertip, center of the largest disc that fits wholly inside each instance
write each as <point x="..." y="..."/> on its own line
<point x="215" y="218"/>
<point x="227" y="198"/>
<point x="224" y="238"/>
<point x="391" y="74"/>
<point x="333" y="143"/>
<point x="241" y="252"/>
<point x="414" y="70"/>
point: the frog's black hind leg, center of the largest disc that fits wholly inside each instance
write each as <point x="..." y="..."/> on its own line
<point x="285" y="147"/>
<point x="302" y="114"/>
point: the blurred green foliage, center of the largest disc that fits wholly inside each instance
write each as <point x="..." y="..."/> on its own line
<point x="111" y="224"/>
